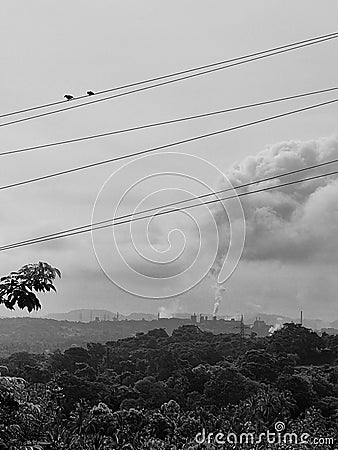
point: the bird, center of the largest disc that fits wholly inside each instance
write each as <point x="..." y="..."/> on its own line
<point x="68" y="97"/>
<point x="90" y="93"/>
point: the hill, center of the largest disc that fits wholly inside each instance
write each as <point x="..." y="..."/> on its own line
<point x="87" y="315"/>
<point x="41" y="335"/>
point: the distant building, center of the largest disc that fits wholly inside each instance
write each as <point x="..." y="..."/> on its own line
<point x="260" y="328"/>
<point x="193" y="318"/>
<point x="231" y="326"/>
<point x="216" y="326"/>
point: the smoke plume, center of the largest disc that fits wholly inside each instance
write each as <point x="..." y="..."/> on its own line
<point x="218" y="288"/>
<point x="278" y="325"/>
<point x="291" y="232"/>
<point x="293" y="223"/>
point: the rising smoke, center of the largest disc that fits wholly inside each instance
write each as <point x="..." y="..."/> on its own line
<point x="278" y="325"/>
<point x="290" y="231"/>
<point x="219" y="289"/>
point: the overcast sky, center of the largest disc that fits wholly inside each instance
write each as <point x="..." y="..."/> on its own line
<point x="58" y="47"/>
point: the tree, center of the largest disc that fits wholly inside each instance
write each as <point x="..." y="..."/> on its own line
<point x="259" y="365"/>
<point x="226" y="385"/>
<point x="300" y="388"/>
<point x="293" y="338"/>
<point x="17" y="288"/>
<point x="152" y="391"/>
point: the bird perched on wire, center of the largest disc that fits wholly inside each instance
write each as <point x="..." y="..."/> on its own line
<point x="90" y="93"/>
<point x="68" y="97"/>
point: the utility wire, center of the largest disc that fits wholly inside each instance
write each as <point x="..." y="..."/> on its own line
<point x="149" y="80"/>
<point x="172" y="144"/>
<point x="168" y="122"/>
<point x="264" y="54"/>
<point x="160" y="213"/>
<point x="169" y="205"/>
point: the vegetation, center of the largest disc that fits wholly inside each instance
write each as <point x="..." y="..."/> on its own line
<point x="37" y="335"/>
<point x="17" y="288"/>
<point x="156" y="391"/>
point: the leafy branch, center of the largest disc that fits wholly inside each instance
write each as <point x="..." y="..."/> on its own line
<point x="17" y="288"/>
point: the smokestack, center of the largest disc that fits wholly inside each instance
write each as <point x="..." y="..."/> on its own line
<point x="301" y="318"/>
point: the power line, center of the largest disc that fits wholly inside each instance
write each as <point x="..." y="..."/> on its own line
<point x="167" y="122"/>
<point x="132" y="219"/>
<point x="264" y="54"/>
<point x="169" y="205"/>
<point x="161" y="147"/>
<point x="149" y="80"/>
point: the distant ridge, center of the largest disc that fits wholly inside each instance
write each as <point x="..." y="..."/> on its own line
<point x="87" y="315"/>
<point x="82" y="315"/>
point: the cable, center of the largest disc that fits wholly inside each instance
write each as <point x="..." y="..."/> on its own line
<point x="169" y="205"/>
<point x="172" y="144"/>
<point x="334" y="36"/>
<point x="149" y="80"/>
<point x="167" y="122"/>
<point x="269" y="188"/>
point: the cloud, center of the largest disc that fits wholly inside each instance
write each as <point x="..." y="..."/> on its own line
<point x="296" y="223"/>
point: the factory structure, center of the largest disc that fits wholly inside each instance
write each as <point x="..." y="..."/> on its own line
<point x="216" y="325"/>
